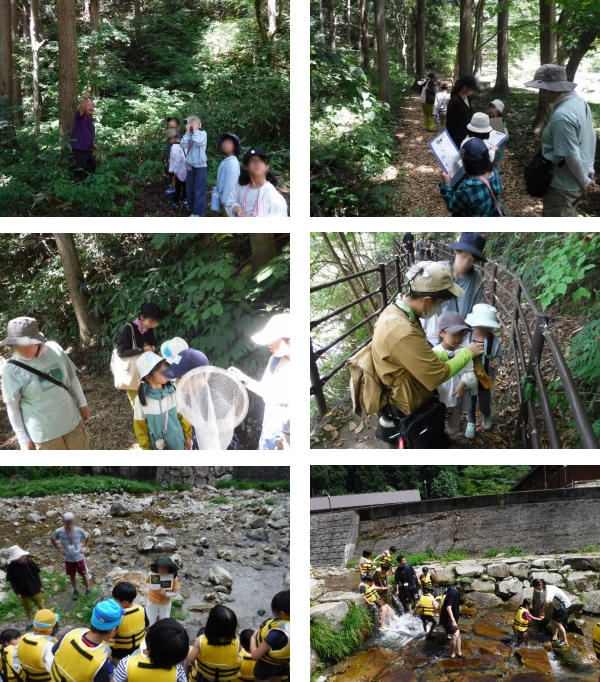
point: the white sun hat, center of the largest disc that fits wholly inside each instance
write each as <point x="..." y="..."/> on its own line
<point x="498" y="104"/>
<point x="480" y="123"/>
<point x="171" y="349"/>
<point x="278" y="327"/>
<point x="483" y="315"/>
<point x="16" y="553"/>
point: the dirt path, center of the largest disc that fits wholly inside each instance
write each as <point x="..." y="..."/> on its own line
<point x="419" y="173"/>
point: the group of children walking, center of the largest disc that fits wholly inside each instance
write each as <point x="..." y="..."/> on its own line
<point x="248" y="192"/>
<point x="129" y="643"/>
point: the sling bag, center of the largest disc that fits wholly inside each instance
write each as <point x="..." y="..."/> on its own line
<point x="124" y="370"/>
<point x="539" y="173"/>
<point x="496" y="202"/>
<point x="425" y="428"/>
<point x="37" y="372"/>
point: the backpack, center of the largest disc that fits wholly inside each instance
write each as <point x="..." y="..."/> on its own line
<point x="368" y="393"/>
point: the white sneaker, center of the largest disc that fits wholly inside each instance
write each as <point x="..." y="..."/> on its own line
<point x="487" y="423"/>
<point x="471" y="430"/>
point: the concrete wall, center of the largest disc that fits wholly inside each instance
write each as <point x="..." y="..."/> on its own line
<point x="261" y="473"/>
<point x="333" y="538"/>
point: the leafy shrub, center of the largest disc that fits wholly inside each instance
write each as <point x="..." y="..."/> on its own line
<point x="336" y="646"/>
<point x="584" y="353"/>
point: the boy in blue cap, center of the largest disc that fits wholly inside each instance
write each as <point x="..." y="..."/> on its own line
<point x="84" y="654"/>
<point x="183" y="363"/>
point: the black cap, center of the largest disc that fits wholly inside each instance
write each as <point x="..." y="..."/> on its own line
<point x="255" y="151"/>
<point x="367" y="576"/>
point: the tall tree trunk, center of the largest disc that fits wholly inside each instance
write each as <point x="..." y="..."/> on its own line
<point x="412" y="61"/>
<point x="579" y="50"/>
<point x="501" y="85"/>
<point x="94" y="51"/>
<point x="464" y="39"/>
<point x="347" y="251"/>
<point x="420" y="38"/>
<point x="547" y="56"/>
<point x="561" y="24"/>
<point x="331" y="23"/>
<point x="478" y="39"/>
<point x="36" y="45"/>
<point x="67" y="64"/>
<point x="348" y="8"/>
<point x="137" y="13"/>
<point x="17" y="96"/>
<point x="89" y="326"/>
<point x="321" y="24"/>
<point x="272" y="17"/>
<point x="263" y="248"/>
<point x="364" y="34"/>
<point x="260" y="21"/>
<point x="383" y="67"/>
<point x="6" y="61"/>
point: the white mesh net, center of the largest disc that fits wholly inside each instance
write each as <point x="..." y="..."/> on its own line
<point x="214" y="401"/>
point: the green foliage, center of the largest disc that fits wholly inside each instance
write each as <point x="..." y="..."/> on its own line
<point x="270" y="501"/>
<point x="336" y="646"/>
<point x="423" y="558"/>
<point x="80" y="485"/>
<point x="491" y="553"/>
<point x="34" y="473"/>
<point x="220" y="500"/>
<point x="352" y="564"/>
<point x="584" y="353"/>
<point x="445" y="484"/>
<point x="514" y="551"/>
<point x="256" y="485"/>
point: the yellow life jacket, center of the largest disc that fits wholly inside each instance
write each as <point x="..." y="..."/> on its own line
<point x="597" y="638"/>
<point x="381" y="580"/>
<point x="386" y="560"/>
<point x="29" y="651"/>
<point x="8" y="672"/>
<point x="370" y="593"/>
<point x="275" y="656"/>
<point x="441" y="602"/>
<point x="131" y="631"/>
<point x="247" y="669"/>
<point x="425" y="606"/>
<point x="366" y="565"/>
<point x="74" y="660"/>
<point x="141" y="669"/>
<point x="520" y="624"/>
<point x="219" y="662"/>
<point x="426" y="579"/>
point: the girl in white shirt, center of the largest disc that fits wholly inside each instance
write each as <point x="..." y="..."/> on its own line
<point x="255" y="195"/>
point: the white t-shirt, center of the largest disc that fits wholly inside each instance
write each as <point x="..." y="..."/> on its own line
<point x="446" y="390"/>
<point x="250" y="202"/>
<point x="557" y="597"/>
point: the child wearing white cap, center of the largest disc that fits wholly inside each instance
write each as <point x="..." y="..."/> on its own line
<point x="275" y="386"/>
<point x="480" y="128"/>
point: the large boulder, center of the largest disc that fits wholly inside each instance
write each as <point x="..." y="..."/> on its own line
<point x="550" y="563"/>
<point x="583" y="581"/>
<point x="481" y="586"/>
<point x="482" y="599"/>
<point x="349" y="597"/>
<point x="145" y="545"/>
<point x="332" y="612"/>
<point x="469" y="570"/>
<point x="517" y="598"/>
<point x="443" y="576"/>
<point x="119" y="509"/>
<point x="259" y="534"/>
<point x="591" y="602"/>
<point x="550" y="578"/>
<point x="35" y="518"/>
<point x="161" y="531"/>
<point x="220" y="576"/>
<point x="165" y="545"/>
<point x="499" y="570"/>
<point x="520" y="570"/>
<point x="578" y="563"/>
<point x="594" y="562"/>
<point x="122" y="575"/>
<point x="314" y="660"/>
<point x="506" y="588"/>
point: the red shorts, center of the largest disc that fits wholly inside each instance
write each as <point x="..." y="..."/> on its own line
<point x="74" y="567"/>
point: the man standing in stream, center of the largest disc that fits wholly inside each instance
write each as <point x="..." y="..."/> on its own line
<point x="70" y="537"/>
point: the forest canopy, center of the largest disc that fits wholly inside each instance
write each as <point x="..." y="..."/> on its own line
<point x="441" y="481"/>
<point x="141" y="62"/>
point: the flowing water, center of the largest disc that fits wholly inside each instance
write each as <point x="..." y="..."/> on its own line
<point x="402" y="654"/>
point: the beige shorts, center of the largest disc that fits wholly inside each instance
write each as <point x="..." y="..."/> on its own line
<point x="78" y="439"/>
<point x="561" y="204"/>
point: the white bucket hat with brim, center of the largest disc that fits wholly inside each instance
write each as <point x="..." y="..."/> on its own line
<point x="147" y="362"/>
<point x="278" y="327"/>
<point x="480" y="123"/>
<point x="15" y="553"/>
<point x="483" y="315"/>
<point x="551" y="77"/>
<point x="23" y="331"/>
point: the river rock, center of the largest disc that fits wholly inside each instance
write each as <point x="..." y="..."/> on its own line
<point x="119" y="509"/>
<point x="400" y="675"/>
<point x="550" y="578"/>
<point x="286" y="580"/>
<point x="520" y="570"/>
<point x="121" y="575"/>
<point x="51" y="513"/>
<point x="481" y="586"/>
<point x="146" y="527"/>
<point x="469" y="570"/>
<point x="482" y="599"/>
<point x="486" y="629"/>
<point x="281" y="524"/>
<point x="349" y="597"/>
<point x="549" y="563"/>
<point x="499" y="570"/>
<point x="200" y="551"/>
<point x="467" y="676"/>
<point x="256" y="521"/>
<point x="578" y="656"/>
<point x="591" y="602"/>
<point x="368" y="665"/>
<point x="220" y="576"/>
<point x="594" y="562"/>
<point x="34" y="518"/>
<point x="517" y="599"/>
<point x="535" y="659"/>
<point x="443" y="576"/>
<point x="331" y="612"/>
<point x="314" y="660"/>
<point x="528" y="677"/>
<point x="165" y="545"/>
<point x="506" y="588"/>
<point x="161" y="531"/>
<point x="479" y="663"/>
<point x="225" y="553"/>
<point x="259" y="534"/>
<point x="580" y="581"/>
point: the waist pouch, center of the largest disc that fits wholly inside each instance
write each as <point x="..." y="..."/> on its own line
<point x="422" y="429"/>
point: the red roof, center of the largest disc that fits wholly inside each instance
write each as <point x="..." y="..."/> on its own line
<point x="364" y="500"/>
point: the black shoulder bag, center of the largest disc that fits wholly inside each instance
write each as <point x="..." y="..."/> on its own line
<point x="538" y="175"/>
<point x="37" y="372"/>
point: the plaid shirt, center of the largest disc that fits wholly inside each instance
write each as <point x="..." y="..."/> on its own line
<point x="472" y="198"/>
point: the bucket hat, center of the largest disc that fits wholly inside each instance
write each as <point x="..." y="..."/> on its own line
<point x="453" y="323"/>
<point x="551" y="77"/>
<point x="483" y="315"/>
<point x="278" y="327"/>
<point x="23" y="331"/>
<point x="498" y="104"/>
<point x="186" y="360"/>
<point x="474" y="149"/>
<point x="231" y="136"/>
<point x="432" y="278"/>
<point x="480" y="123"/>
<point x="147" y="362"/>
<point x="471" y="242"/>
<point x="45" y="619"/>
<point x="15" y="553"/>
<point x="107" y="615"/>
<point x="171" y="349"/>
<point x="163" y="560"/>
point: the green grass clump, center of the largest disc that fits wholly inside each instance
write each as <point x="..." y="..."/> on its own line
<point x="514" y="551"/>
<point x="256" y="485"/>
<point x="80" y="485"/>
<point x="352" y="564"/>
<point x="270" y="501"/>
<point x="588" y="549"/>
<point x="336" y="646"/>
<point x="179" y="614"/>
<point x="219" y="500"/>
<point x="491" y="553"/>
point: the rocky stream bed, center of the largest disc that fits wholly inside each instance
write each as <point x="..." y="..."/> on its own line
<point x="493" y="590"/>
<point x="235" y="552"/>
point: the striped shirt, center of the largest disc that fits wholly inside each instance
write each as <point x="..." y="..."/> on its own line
<point x="121" y="672"/>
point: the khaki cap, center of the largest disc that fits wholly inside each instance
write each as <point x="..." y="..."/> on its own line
<point x="431" y="278"/>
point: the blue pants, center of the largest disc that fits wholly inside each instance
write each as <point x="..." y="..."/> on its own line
<point x="195" y="185"/>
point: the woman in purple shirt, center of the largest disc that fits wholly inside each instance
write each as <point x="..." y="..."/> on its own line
<point x="82" y="139"/>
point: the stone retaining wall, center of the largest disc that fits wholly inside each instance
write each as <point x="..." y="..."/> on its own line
<point x="333" y="538"/>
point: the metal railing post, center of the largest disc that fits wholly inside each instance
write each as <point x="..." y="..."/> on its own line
<point x="316" y="383"/>
<point x="383" y="285"/>
<point x="398" y="275"/>
<point x="494" y="275"/>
